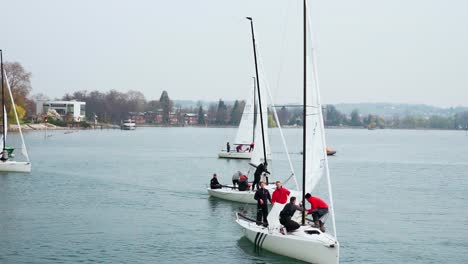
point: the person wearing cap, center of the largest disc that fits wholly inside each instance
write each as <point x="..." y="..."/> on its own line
<point x="262" y="196"/>
<point x="286" y="214"/>
<point x="318" y="209"/>
<point x="280" y="194"/>
<point x="214" y="183"/>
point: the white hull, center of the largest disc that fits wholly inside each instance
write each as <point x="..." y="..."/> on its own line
<point x="233" y="195"/>
<point x="319" y="248"/>
<point x="15" y="166"/>
<point x="234" y="155"/>
<point x="128" y="127"/>
<point x="236" y="195"/>
<point x="237" y="155"/>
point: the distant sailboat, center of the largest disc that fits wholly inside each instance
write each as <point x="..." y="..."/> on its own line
<point x="247" y="133"/>
<point x="6" y="162"/>
<point x="307" y="243"/>
<point x="262" y="148"/>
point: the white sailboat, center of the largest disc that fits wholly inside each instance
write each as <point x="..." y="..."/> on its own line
<point x="7" y="164"/>
<point x="261" y="149"/>
<point x="307" y="243"/>
<point x="245" y="133"/>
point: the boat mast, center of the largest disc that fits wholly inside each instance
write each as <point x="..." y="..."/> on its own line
<point x="258" y="89"/>
<point x="3" y="102"/>
<point x="254" y="111"/>
<point x="305" y="110"/>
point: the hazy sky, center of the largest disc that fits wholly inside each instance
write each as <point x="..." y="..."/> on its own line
<point x="411" y="51"/>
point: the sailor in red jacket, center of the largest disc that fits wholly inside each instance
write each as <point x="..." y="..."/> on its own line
<point x="318" y="210"/>
<point x="280" y="195"/>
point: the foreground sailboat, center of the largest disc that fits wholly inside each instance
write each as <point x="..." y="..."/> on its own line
<point x="307" y="243"/>
<point x="6" y="162"/>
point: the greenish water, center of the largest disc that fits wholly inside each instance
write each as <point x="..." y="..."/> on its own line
<point x="139" y="196"/>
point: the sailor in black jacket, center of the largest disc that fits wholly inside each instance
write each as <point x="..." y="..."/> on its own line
<point x="287" y="212"/>
<point x="262" y="196"/>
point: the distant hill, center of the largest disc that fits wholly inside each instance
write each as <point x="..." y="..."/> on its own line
<point x="389" y="109"/>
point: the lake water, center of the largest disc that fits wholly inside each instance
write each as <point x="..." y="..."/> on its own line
<point x="111" y="196"/>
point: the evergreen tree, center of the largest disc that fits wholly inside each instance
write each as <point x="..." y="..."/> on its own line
<point x="283" y="115"/>
<point x="221" y="114"/>
<point x="201" y="116"/>
<point x="166" y="104"/>
<point x="236" y="114"/>
<point x="355" y="118"/>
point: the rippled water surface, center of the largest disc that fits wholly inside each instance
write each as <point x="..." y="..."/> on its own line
<point x="140" y="196"/>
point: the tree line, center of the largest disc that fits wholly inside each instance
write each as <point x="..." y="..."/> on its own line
<point x="335" y="118"/>
<point x="113" y="106"/>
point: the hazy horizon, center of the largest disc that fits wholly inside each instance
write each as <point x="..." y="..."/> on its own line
<point x="409" y="52"/>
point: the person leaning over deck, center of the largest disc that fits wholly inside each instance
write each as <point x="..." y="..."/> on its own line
<point x="261" y="168"/>
<point x="243" y="183"/>
<point x="286" y="214"/>
<point x="318" y="210"/>
<point x="280" y="194"/>
<point x="214" y="183"/>
<point x="239" y="148"/>
<point x="235" y="178"/>
<point x="262" y="196"/>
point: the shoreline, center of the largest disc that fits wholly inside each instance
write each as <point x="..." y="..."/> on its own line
<point x="41" y="127"/>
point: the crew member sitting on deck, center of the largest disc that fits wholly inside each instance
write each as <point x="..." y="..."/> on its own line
<point x="214" y="183"/>
<point x="280" y="194"/>
<point x="286" y="214"/>
<point x="318" y="210"/>
<point x="243" y="183"/>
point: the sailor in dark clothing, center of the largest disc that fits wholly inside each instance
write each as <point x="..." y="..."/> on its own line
<point x="262" y="196"/>
<point x="214" y="183"/>
<point x="261" y="168"/>
<point x="287" y="212"/>
<point x="228" y="147"/>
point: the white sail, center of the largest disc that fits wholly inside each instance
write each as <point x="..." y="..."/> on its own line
<point x="24" y="151"/>
<point x="246" y="126"/>
<point x="315" y="149"/>
<point x="5" y="125"/>
<point x="258" y="154"/>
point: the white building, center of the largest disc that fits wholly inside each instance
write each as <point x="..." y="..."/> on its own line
<point x="63" y="108"/>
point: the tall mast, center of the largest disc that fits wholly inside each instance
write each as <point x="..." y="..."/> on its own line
<point x="305" y="110"/>
<point x="254" y="111"/>
<point x="258" y="89"/>
<point x="3" y="101"/>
